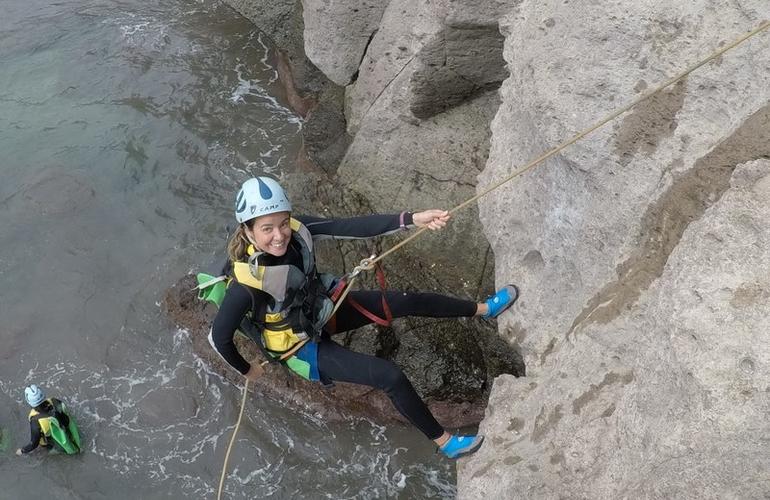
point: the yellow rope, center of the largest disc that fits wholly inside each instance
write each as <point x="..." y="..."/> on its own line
<point x="232" y="439"/>
<point x="368" y="264"/>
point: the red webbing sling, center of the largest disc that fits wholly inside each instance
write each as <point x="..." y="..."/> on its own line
<point x="361" y="309"/>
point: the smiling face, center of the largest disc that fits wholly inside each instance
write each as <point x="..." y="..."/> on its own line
<point x="271" y="233"/>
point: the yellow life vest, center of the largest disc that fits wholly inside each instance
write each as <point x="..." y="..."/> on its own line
<point x="301" y="302"/>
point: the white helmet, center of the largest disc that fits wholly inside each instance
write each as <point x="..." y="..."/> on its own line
<point x="260" y="196"/>
<point x="34" y="395"/>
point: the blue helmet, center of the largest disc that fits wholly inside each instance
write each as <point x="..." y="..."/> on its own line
<point x="34" y="395"/>
<point x="260" y="196"/>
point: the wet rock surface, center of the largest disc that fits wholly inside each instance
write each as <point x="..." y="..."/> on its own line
<point x="312" y="94"/>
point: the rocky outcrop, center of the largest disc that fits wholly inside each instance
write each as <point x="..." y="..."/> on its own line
<point x="420" y="112"/>
<point x="337" y="35"/>
<point x="642" y="256"/>
<point x="425" y="58"/>
<point x="666" y="400"/>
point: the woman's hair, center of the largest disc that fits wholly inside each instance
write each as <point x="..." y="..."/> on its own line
<point x="239" y="243"/>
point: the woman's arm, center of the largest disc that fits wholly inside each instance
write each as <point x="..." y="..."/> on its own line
<point x="34" y="440"/>
<point x="235" y="306"/>
<point x="369" y="226"/>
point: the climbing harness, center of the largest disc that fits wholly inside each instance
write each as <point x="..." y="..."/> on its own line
<point x="339" y="293"/>
<point x="370" y="263"/>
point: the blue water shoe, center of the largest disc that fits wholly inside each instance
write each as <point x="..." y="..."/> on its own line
<point x="458" y="446"/>
<point x="502" y="300"/>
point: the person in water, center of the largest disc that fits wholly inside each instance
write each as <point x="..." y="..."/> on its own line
<point x="275" y="287"/>
<point x="50" y="424"/>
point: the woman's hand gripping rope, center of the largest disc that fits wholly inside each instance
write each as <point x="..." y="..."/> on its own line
<point x="431" y="219"/>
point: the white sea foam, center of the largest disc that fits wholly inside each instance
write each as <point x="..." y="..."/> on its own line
<point x="252" y="87"/>
<point x="256" y="36"/>
<point x="245" y="86"/>
<point x="141" y="32"/>
<point x="111" y="409"/>
<point x="130" y="30"/>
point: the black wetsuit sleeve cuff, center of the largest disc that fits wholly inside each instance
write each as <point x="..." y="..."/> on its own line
<point x="29" y="447"/>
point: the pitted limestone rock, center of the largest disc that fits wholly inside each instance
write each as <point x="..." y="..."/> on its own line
<point x="667" y="400"/>
<point x="642" y="257"/>
<point x="586" y="232"/>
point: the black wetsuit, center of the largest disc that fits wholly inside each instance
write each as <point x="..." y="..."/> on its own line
<point x="44" y="410"/>
<point x="337" y="363"/>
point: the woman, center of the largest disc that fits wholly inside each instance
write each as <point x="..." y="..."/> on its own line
<point x="276" y="287"/>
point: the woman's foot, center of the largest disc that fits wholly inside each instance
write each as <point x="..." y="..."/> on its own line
<point x="458" y="446"/>
<point x="500" y="301"/>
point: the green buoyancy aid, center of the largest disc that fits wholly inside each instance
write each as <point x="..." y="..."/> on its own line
<point x="301" y="304"/>
<point x="66" y="439"/>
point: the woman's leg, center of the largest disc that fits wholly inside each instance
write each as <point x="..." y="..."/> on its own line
<point x="401" y="304"/>
<point x="343" y="365"/>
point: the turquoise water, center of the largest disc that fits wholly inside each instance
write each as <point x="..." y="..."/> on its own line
<point x="124" y="129"/>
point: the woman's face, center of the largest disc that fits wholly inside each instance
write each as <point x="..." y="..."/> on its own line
<point x="271" y="233"/>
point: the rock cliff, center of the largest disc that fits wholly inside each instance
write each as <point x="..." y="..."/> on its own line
<point x="641" y="251"/>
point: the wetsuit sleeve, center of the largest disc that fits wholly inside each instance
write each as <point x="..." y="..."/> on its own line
<point x="235" y="305"/>
<point x="366" y="226"/>
<point x="34" y="430"/>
